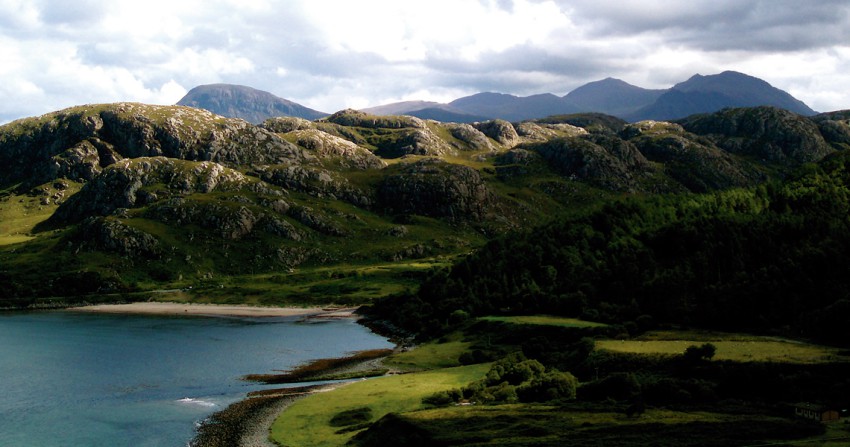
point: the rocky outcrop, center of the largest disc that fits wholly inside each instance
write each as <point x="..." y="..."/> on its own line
<point x="692" y="161"/>
<point x="286" y="124"/>
<point x="412" y="142"/>
<point x="771" y="134"/>
<point x="518" y="162"/>
<point x="835" y="128"/>
<point x="608" y="162"/>
<point x="141" y="181"/>
<point x="226" y="219"/>
<point x="336" y="150"/>
<point x="100" y="233"/>
<point x="78" y="143"/>
<point x="317" y="182"/>
<point x="499" y="130"/>
<point x="473" y="138"/>
<point x="529" y="131"/>
<point x="434" y="188"/>
<point x="356" y="118"/>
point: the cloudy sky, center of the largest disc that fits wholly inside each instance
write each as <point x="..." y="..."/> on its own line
<point x="333" y="54"/>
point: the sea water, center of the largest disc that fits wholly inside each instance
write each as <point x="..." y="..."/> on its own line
<point x="72" y="379"/>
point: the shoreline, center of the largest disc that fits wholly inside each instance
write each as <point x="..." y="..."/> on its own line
<point x="216" y="310"/>
<point x="247" y="423"/>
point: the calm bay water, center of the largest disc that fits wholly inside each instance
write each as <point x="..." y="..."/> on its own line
<point x="69" y="379"/>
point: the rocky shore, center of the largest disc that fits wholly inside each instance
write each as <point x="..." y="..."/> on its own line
<point x="246" y="423"/>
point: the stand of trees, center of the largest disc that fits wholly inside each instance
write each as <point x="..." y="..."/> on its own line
<point x="771" y="258"/>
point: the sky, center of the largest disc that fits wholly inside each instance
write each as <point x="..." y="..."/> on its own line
<point x="334" y="54"/>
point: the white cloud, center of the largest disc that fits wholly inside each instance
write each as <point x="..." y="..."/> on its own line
<point x="331" y="54"/>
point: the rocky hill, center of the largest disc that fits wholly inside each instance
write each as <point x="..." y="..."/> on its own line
<point x="249" y="104"/>
<point x="126" y="198"/>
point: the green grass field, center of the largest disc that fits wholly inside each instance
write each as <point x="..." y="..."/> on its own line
<point x="428" y="356"/>
<point x="735" y="347"/>
<point x="545" y="320"/>
<point x="307" y="421"/>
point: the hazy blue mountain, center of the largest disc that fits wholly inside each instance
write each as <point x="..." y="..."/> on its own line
<point x="704" y="94"/>
<point x="401" y="108"/>
<point x="514" y="108"/>
<point x="428" y="110"/>
<point x="250" y="104"/>
<point x="612" y="96"/>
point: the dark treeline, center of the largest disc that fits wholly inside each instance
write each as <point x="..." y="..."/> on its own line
<point x="775" y="258"/>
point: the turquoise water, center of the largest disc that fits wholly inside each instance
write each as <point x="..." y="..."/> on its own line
<point x="69" y="379"/>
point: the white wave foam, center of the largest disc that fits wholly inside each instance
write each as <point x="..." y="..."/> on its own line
<point x="198" y="402"/>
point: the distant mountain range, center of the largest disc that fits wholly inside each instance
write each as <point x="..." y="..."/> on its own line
<point x="699" y="94"/>
<point x="249" y="104"/>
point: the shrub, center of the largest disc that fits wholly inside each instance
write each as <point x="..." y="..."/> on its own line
<point x="351" y="417"/>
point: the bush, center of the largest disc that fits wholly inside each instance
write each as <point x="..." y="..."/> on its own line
<point x="696" y="354"/>
<point x="351" y="417"/>
<point x="552" y="385"/>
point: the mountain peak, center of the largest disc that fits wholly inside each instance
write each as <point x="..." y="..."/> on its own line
<point x="250" y="104"/>
<point x="612" y="96"/>
<point x="703" y="94"/>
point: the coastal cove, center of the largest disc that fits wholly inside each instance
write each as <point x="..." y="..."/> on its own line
<point x="98" y="379"/>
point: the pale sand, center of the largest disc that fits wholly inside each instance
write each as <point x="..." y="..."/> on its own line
<point x="215" y="310"/>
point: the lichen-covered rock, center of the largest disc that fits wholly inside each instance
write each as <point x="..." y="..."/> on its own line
<point x="413" y="142"/>
<point x="338" y="151"/>
<point x="499" y="130"/>
<point x="769" y="133"/>
<point x="286" y="124"/>
<point x="475" y="139"/>
<point x="431" y="187"/>
<point x="315" y="181"/>
<point x="530" y="131"/>
<point x="123" y="185"/>
<point x="356" y="118"/>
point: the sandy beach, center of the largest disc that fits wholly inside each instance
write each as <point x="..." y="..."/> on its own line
<point x="156" y="308"/>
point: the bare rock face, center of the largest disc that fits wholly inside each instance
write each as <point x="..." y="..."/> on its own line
<point x="499" y="130"/>
<point x="125" y="185"/>
<point x="431" y="187"/>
